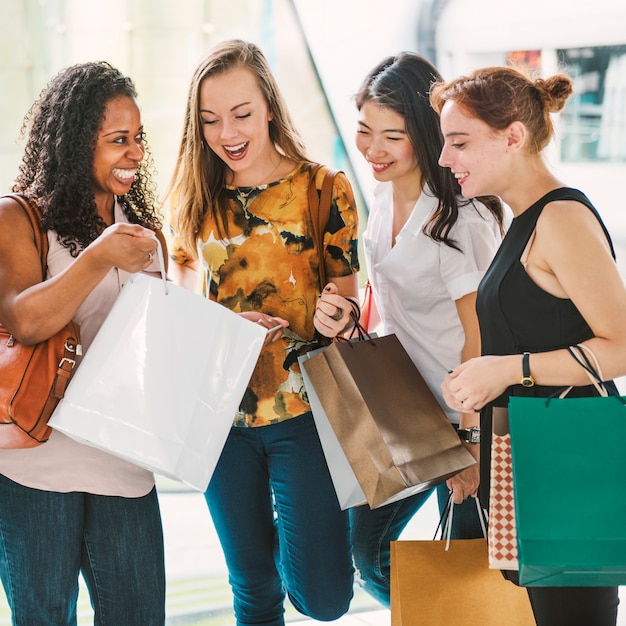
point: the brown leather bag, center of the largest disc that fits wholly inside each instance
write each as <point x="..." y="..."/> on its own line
<point x="319" y="205"/>
<point x="33" y="378"/>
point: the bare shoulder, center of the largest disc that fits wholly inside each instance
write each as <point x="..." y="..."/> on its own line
<point x="566" y="210"/>
<point x="570" y="219"/>
<point x="570" y="241"/>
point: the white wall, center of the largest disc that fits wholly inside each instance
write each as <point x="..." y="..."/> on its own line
<point x="347" y="38"/>
<point x="469" y="29"/>
<point x="477" y="33"/>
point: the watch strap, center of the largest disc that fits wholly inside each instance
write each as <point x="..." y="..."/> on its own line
<point x="527" y="379"/>
<point x="469" y="435"/>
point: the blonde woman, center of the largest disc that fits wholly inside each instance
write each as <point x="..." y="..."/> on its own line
<point x="239" y="204"/>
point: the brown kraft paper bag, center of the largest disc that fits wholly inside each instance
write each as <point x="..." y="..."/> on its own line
<point x="391" y="428"/>
<point x="434" y="586"/>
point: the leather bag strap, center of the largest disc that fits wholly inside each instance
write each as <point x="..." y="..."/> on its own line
<point x="41" y="239"/>
<point x="319" y="207"/>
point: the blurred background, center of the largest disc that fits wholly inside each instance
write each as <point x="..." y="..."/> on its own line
<point x="319" y="50"/>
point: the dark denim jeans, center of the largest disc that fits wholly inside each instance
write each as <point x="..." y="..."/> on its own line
<point x="280" y="525"/>
<point x="374" y="529"/>
<point x="47" y="538"/>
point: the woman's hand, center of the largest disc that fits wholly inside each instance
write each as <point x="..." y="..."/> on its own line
<point x="129" y="247"/>
<point x="466" y="482"/>
<point x="332" y="312"/>
<point x="273" y="325"/>
<point x="474" y="383"/>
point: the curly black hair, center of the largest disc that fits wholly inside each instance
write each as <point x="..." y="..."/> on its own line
<point x="56" y="171"/>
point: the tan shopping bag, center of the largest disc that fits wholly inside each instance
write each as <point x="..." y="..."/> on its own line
<point x="395" y="436"/>
<point x="432" y="586"/>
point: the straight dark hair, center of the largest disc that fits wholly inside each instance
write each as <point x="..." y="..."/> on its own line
<point x="402" y="83"/>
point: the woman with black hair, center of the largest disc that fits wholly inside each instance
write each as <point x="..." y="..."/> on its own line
<point x="426" y="250"/>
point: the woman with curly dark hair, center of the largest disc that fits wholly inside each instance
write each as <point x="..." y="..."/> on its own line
<point x="66" y="507"/>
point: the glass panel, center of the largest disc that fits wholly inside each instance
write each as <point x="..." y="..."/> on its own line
<point x="593" y="123"/>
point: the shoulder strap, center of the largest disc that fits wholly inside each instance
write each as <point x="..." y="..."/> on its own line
<point x="319" y="206"/>
<point x="35" y="217"/>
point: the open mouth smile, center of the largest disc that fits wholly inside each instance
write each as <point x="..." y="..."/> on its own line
<point x="125" y="175"/>
<point x="237" y="151"/>
<point x="380" y="167"/>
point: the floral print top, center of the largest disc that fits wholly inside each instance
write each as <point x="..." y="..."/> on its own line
<point x="269" y="263"/>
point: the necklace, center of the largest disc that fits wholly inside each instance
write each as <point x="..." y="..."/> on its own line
<point x="243" y="195"/>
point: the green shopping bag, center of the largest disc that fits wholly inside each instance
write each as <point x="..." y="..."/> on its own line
<point x="569" y="477"/>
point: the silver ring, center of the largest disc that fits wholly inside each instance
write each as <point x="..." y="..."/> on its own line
<point x="337" y="315"/>
<point x="150" y="256"/>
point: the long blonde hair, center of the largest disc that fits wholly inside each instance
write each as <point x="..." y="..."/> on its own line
<point x="199" y="178"/>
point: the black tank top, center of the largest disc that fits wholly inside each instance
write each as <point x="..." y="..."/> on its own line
<point x="517" y="316"/>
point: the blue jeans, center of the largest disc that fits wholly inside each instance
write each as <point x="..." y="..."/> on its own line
<point x="47" y="538"/>
<point x="374" y="529"/>
<point x="280" y="525"/>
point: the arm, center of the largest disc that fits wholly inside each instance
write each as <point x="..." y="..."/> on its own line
<point x="568" y="255"/>
<point x="33" y="310"/>
<point x="186" y="275"/>
<point x="333" y="299"/>
<point x="465" y="483"/>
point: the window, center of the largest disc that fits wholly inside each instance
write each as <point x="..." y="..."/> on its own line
<point x="593" y="123"/>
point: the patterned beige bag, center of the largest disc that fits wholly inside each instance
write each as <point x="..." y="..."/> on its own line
<point x="501" y="534"/>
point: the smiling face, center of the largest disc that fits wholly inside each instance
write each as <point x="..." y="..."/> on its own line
<point x="474" y="152"/>
<point x="382" y="139"/>
<point x="119" y="150"/>
<point x="235" y="123"/>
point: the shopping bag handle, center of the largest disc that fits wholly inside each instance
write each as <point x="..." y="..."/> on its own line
<point x="161" y="259"/>
<point x="592" y="369"/>
<point x="361" y="333"/>
<point x="586" y="358"/>
<point x="445" y="521"/>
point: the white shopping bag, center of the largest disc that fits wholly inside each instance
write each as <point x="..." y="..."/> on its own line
<point x="347" y="487"/>
<point x="162" y="380"/>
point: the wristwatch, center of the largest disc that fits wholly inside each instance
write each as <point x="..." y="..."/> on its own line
<point x="527" y="379"/>
<point x="469" y="435"/>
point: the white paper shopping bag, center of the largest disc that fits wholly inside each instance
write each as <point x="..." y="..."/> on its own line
<point x="162" y="380"/>
<point x="347" y="488"/>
